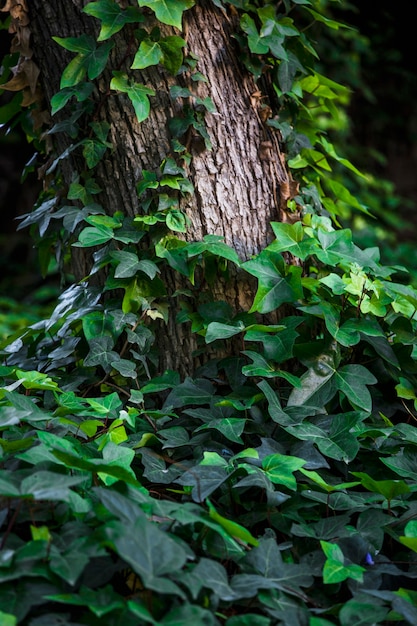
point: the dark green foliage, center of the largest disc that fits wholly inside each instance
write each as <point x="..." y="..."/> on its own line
<point x="272" y="487"/>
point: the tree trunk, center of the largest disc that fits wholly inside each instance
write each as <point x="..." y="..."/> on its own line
<point x="241" y="184"/>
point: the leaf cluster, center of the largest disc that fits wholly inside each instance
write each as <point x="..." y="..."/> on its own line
<point x="276" y="483"/>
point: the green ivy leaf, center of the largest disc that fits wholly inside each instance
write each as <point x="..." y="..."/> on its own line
<point x="317" y="384"/>
<point x="190" y="392"/>
<point x="36" y="380"/>
<point x="101" y="352"/>
<point x="273" y="36"/>
<point x="338" y="443"/>
<point x="215" y="245"/>
<point x="256" y="42"/>
<point x="6" y="619"/>
<point x="172" y="58"/>
<point x="259" y="366"/>
<point x="187" y="615"/>
<point x="81" y="92"/>
<point x="91" y="59"/>
<point x="352" y="380"/>
<point x="149" y="53"/>
<point x="230" y="427"/>
<point x="388" y="488"/>
<point x="94" y="236"/>
<point x="168" y="11"/>
<point x="274" y="288"/>
<point x="291" y="238"/>
<point x="112" y="17"/>
<point x="279" y="468"/>
<point x="204" y="480"/>
<point x="338" y="248"/>
<point x="176" y="221"/>
<point x="137" y="93"/>
<point x="45" y="485"/>
<point x="93" y="151"/>
<point x="404" y="463"/>
<point x="100" y="602"/>
<point x="234" y="529"/>
<point x="149" y="551"/>
<point x="409" y="538"/>
<point x="275" y="409"/>
<point x="325" y="20"/>
<point x="335" y="570"/>
<point x="129" y="264"/>
<point x="217" y="330"/>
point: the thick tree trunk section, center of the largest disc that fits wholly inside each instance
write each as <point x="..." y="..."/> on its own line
<point x="237" y="183"/>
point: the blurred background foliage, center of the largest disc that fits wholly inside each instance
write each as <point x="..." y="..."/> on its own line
<point x="376" y="130"/>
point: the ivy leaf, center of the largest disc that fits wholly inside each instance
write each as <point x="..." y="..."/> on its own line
<point x="388" y="488"/>
<point x="187" y="615"/>
<point x="271" y="571"/>
<point x="274" y="39"/>
<point x="335" y="571"/>
<point x="149" y="551"/>
<point x="93" y="151"/>
<point x="279" y="468"/>
<point x="273" y="287"/>
<point x="129" y="265"/>
<point x="339" y="443"/>
<point x="101" y="353"/>
<point x="404" y="463"/>
<point x="326" y="20"/>
<point x="217" y="330"/>
<point x="149" y="53"/>
<point x="341" y="434"/>
<point x="256" y="43"/>
<point x="82" y="45"/>
<point x="259" y="366"/>
<point x="409" y="538"/>
<point x="171" y="47"/>
<point x="230" y="427"/>
<point x="44" y="485"/>
<point x="275" y="409"/>
<point x="80" y="91"/>
<point x="197" y="391"/>
<point x="99" y="602"/>
<point x="137" y="93"/>
<point x="204" y="480"/>
<point x="176" y="221"/>
<point x="6" y="619"/>
<point x="290" y="238"/>
<point x="168" y="11"/>
<point x="36" y="380"/>
<point x="91" y="59"/>
<point x="352" y="380"/>
<point x="125" y="367"/>
<point x="234" y="529"/>
<point x="112" y="17"/>
<point x="317" y="384"/>
<point x="215" y="245"/>
<point x="213" y="576"/>
<point x="93" y="236"/>
<point x="338" y="248"/>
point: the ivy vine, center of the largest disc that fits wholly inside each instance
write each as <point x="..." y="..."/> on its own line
<point x="274" y="486"/>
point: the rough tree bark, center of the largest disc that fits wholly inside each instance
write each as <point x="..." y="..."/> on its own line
<point x="240" y="185"/>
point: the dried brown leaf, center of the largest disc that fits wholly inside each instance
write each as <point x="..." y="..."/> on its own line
<point x="20" y="43"/>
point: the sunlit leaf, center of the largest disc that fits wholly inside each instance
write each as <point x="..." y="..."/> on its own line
<point x="112" y="17"/>
<point x="168" y="11"/>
